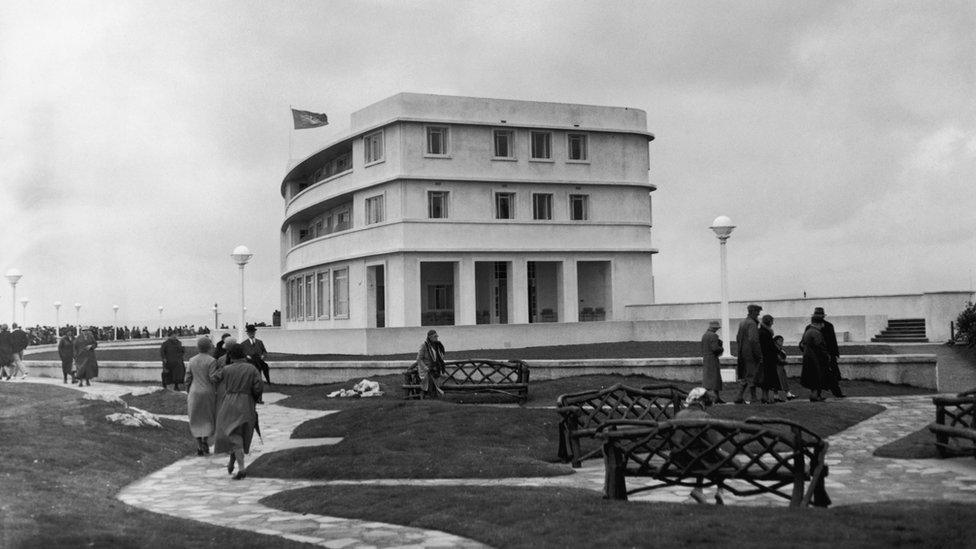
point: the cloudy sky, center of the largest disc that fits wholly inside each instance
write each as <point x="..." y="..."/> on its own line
<point x="140" y="142"/>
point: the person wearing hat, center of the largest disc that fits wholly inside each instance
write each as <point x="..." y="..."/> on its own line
<point x="768" y="378"/>
<point x="711" y="349"/>
<point x="702" y="449"/>
<point x="430" y="365"/>
<point x="201" y="395"/>
<point x="255" y="351"/>
<point x="750" y="354"/>
<point x="220" y="350"/>
<point x="816" y="359"/>
<point x="830" y="337"/>
<point x="237" y="417"/>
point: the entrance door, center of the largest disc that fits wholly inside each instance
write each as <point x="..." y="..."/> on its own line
<point x="499" y="293"/>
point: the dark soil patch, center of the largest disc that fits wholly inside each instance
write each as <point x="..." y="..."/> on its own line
<point x="63" y="464"/>
<point x="167" y="401"/>
<point x="918" y="445"/>
<point x="553" y="517"/>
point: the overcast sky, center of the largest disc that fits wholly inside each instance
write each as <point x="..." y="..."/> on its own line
<point x="140" y="142"/>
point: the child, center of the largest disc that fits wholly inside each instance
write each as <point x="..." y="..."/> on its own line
<point x="781" y="370"/>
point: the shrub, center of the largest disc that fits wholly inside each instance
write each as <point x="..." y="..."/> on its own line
<point x="966" y="324"/>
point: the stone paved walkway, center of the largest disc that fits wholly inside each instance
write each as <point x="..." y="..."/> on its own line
<point x="199" y="488"/>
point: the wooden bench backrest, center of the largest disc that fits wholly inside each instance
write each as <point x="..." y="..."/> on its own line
<point x="957" y="411"/>
<point x="715" y="447"/>
<point x="481" y="372"/>
<point x="594" y="408"/>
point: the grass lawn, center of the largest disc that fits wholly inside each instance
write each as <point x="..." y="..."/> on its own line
<point x="552" y="517"/>
<point x="425" y="439"/>
<point x="167" y="401"/>
<point x="63" y="464"/>
<point x="626" y="349"/>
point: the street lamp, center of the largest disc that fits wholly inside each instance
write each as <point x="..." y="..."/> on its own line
<point x="57" y="319"/>
<point x="241" y="255"/>
<point x="13" y="276"/>
<point x="77" y="319"/>
<point x="723" y="230"/>
<point x="160" y="321"/>
<point x="23" y="319"/>
<point x="115" y="324"/>
<point x="215" y="312"/>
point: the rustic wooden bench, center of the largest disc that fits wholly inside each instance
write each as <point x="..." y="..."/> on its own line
<point x="584" y="412"/>
<point x="765" y="456"/>
<point x="955" y="424"/>
<point x="510" y="378"/>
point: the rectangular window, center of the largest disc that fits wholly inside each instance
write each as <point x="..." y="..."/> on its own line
<point x="437" y="204"/>
<point x="328" y="224"/>
<point x="504" y="143"/>
<point x="373" y="146"/>
<point x="440" y="297"/>
<point x="289" y="300"/>
<point x="322" y="294"/>
<point x="577" y="146"/>
<point x="374" y="209"/>
<point x="309" y="296"/>
<point x="437" y="140"/>
<point x="578" y="207"/>
<point x="340" y="293"/>
<point x="541" y="145"/>
<point x="541" y="206"/>
<point x="504" y="205"/>
<point x="299" y="299"/>
<point x="342" y="220"/>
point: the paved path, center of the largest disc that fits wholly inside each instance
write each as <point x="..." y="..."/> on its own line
<point x="199" y="488"/>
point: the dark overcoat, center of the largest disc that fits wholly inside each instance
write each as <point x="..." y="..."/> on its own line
<point x="816" y="360"/>
<point x="171" y="352"/>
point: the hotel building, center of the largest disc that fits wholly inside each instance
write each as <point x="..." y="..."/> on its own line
<point x="442" y="210"/>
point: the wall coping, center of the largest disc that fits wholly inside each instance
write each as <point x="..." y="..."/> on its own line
<point x="812" y="299"/>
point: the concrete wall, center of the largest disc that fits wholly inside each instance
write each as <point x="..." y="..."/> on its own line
<point x="916" y="370"/>
<point x="938" y="309"/>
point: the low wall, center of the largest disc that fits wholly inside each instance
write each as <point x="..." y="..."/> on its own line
<point x="916" y="370"/>
<point x="937" y="308"/>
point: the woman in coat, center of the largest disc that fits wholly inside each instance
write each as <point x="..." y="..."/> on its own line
<point x="768" y="376"/>
<point x="711" y="350"/>
<point x="816" y="360"/>
<point x="237" y="418"/>
<point x="66" y="350"/>
<point x="86" y="365"/>
<point x="174" y="369"/>
<point x="201" y="396"/>
<point x="430" y="365"/>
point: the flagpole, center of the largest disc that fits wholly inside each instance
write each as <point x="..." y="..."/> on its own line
<point x="291" y="133"/>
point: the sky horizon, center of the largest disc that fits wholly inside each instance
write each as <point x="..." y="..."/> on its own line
<point x="142" y="141"/>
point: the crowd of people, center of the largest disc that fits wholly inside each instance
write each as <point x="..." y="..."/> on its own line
<point x="46" y="335"/>
<point x="761" y="359"/>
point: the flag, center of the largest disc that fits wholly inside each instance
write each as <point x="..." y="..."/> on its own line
<point x="305" y="119"/>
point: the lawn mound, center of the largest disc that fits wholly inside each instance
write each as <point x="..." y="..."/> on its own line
<point x="565" y="517"/>
<point x="64" y="463"/>
<point x="423" y="439"/>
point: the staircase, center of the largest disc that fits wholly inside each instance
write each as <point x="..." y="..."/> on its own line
<point x="904" y="330"/>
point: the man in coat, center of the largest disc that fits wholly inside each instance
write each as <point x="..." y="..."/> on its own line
<point x="255" y="351"/>
<point x="19" y="340"/>
<point x="174" y="369"/>
<point x="830" y="338"/>
<point x="712" y="349"/>
<point x="750" y="353"/>
<point x="66" y="350"/>
<point x="237" y="417"/>
<point x="816" y="359"/>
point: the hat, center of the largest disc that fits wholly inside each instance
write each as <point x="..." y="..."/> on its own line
<point x="714" y="324"/>
<point x="753" y="307"/>
<point x="250" y="328"/>
<point x="431" y="332"/>
<point x="819" y="311"/>
<point x="695" y="395"/>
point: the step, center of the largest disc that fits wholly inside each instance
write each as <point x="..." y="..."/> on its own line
<point x="882" y="339"/>
<point x="906" y="322"/>
<point x="902" y="332"/>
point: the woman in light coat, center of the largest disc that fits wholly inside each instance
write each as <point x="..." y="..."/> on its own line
<point x="201" y="396"/>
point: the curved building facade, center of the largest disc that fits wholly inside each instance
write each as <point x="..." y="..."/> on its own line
<point x="442" y="210"/>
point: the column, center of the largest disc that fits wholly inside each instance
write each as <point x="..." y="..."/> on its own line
<point x="466" y="304"/>
<point x="408" y="286"/>
<point x="520" y="291"/>
<point x="569" y="307"/>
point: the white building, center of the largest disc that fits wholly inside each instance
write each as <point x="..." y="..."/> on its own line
<point x="438" y="210"/>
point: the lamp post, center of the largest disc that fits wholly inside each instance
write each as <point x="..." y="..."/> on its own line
<point x="57" y="319"/>
<point x="77" y="319"/>
<point x="215" y="312"/>
<point x="241" y="255"/>
<point x="723" y="230"/>
<point x="23" y="319"/>
<point x="115" y="323"/>
<point x="160" y="321"/>
<point x="13" y="276"/>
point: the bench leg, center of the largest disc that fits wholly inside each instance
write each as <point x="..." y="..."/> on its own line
<point x="614" y="484"/>
<point x="574" y="443"/>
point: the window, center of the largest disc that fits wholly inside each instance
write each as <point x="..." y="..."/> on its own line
<point x="322" y="295"/>
<point x="577" y="146"/>
<point x="309" y="295"/>
<point x="373" y="146"/>
<point x="541" y="145"/>
<point x="299" y="299"/>
<point x="437" y="204"/>
<point x="504" y="205"/>
<point x="541" y="206"/>
<point x="504" y="143"/>
<point x="374" y="209"/>
<point x="342" y="220"/>
<point x="340" y="293"/>
<point x="437" y="140"/>
<point x="578" y="210"/>
<point x="440" y="297"/>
